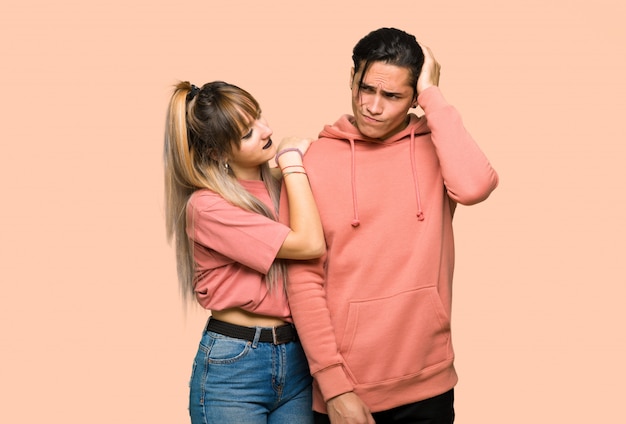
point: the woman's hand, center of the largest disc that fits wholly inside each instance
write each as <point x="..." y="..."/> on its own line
<point x="300" y="143"/>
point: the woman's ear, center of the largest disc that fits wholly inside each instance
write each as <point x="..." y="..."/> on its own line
<point x="351" y="77"/>
<point x="216" y="157"/>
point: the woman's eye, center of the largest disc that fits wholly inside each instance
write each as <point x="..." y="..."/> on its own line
<point x="247" y="135"/>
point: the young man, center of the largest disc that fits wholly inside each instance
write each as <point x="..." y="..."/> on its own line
<point x="374" y="313"/>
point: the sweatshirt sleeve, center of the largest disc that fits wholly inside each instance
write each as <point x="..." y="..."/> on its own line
<point x="468" y="176"/>
<point x="311" y="316"/>
<point x="248" y="238"/>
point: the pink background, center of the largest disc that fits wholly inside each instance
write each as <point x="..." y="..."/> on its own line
<point x="92" y="328"/>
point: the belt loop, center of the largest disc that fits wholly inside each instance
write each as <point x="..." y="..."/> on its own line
<point x="274" y="337"/>
<point x="257" y="336"/>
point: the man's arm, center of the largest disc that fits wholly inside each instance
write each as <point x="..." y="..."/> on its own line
<point x="467" y="173"/>
<point x="307" y="298"/>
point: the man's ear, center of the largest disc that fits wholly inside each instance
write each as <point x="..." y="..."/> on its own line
<point x="351" y="76"/>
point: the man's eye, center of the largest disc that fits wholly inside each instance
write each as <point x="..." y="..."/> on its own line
<point x="247" y="135"/>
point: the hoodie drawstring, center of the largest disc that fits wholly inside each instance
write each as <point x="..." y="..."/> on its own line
<point x="355" y="221"/>
<point x="345" y="130"/>
<point x="420" y="213"/>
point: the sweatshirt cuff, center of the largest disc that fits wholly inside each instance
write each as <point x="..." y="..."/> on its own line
<point x="333" y="382"/>
<point x="431" y="99"/>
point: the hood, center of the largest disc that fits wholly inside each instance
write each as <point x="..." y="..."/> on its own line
<point x="344" y="130"/>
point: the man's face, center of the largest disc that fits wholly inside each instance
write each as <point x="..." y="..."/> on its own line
<point x="381" y="102"/>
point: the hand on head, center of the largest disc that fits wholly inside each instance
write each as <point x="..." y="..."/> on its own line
<point x="429" y="75"/>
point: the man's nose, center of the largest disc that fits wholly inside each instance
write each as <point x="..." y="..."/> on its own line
<point x="374" y="106"/>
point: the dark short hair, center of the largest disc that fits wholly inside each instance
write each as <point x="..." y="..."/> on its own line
<point x="392" y="46"/>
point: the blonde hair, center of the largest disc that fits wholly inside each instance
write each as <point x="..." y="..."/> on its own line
<point x="201" y="128"/>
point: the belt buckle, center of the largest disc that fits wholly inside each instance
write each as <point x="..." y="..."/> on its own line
<point x="274" y="336"/>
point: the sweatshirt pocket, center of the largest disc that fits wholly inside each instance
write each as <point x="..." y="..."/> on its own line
<point x="396" y="337"/>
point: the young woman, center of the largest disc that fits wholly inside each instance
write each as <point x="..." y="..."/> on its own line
<point x="222" y="211"/>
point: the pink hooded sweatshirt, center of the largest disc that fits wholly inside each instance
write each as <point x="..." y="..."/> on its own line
<point x="373" y="314"/>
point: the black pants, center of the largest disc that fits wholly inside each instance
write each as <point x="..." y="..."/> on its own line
<point x="436" y="410"/>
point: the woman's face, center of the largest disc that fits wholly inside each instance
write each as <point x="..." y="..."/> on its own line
<point x="255" y="149"/>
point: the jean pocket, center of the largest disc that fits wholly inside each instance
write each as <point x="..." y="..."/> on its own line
<point x="225" y="350"/>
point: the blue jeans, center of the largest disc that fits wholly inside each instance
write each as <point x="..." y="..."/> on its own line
<point x="240" y="382"/>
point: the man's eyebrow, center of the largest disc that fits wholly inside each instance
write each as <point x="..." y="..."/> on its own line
<point x="387" y="93"/>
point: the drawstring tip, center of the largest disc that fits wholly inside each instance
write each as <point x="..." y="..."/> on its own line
<point x="356" y="223"/>
<point x="420" y="216"/>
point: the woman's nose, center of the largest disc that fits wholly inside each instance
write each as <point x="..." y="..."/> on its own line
<point x="265" y="128"/>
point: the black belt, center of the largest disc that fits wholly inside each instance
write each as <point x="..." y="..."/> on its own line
<point x="277" y="335"/>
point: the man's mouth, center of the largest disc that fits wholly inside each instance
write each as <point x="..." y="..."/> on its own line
<point x="369" y="118"/>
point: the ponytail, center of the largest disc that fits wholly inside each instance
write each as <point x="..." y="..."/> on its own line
<point x="201" y="126"/>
